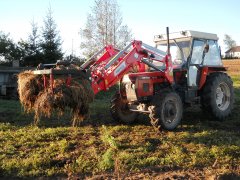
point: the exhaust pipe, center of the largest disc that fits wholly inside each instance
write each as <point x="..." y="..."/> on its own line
<point x="168" y="45"/>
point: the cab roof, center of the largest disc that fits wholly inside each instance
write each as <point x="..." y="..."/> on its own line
<point x="185" y="35"/>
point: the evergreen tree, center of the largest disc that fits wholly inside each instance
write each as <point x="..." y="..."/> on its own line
<point x="9" y="51"/>
<point x="31" y="48"/>
<point x="51" y="41"/>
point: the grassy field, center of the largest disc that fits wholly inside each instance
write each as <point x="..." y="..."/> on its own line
<point x="103" y="148"/>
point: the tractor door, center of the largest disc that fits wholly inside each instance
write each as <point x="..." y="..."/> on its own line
<point x="195" y="62"/>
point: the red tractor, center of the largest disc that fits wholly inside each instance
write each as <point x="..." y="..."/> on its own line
<point x="184" y="69"/>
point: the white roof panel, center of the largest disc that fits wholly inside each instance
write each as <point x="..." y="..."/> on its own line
<point x="186" y="34"/>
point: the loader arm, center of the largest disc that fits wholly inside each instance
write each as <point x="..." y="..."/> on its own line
<point x="107" y="70"/>
<point x="106" y="67"/>
<point x="93" y="61"/>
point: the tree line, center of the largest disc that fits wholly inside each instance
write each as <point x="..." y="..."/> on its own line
<point x="40" y="47"/>
<point x="104" y="25"/>
<point x="44" y="45"/>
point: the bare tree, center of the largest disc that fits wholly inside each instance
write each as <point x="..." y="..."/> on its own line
<point x="228" y="41"/>
<point x="104" y="26"/>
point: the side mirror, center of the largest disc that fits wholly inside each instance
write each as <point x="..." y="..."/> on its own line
<point x="206" y="48"/>
<point x="205" y="51"/>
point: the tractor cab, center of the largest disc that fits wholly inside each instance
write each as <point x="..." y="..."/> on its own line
<point x="191" y="51"/>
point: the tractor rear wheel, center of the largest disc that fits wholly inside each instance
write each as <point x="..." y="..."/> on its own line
<point x="166" y="111"/>
<point x="120" y="111"/>
<point x="218" y="96"/>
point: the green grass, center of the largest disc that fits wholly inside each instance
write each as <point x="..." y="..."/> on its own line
<point x="100" y="145"/>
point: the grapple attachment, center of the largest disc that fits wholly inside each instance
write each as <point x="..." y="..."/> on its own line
<point x="56" y="89"/>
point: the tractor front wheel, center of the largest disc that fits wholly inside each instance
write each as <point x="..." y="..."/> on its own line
<point x="166" y="111"/>
<point x="120" y="111"/>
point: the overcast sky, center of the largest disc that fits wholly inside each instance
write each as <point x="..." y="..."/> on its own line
<point x="145" y="18"/>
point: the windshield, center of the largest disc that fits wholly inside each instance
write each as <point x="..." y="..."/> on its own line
<point x="179" y="51"/>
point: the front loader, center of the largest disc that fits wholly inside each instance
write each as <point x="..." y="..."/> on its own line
<point x="184" y="69"/>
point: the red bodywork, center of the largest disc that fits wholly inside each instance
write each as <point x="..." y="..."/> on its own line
<point x="112" y="64"/>
<point x="205" y="71"/>
<point x="148" y="79"/>
<point x="103" y="78"/>
<point x="109" y="65"/>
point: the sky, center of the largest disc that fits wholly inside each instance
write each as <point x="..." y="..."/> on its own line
<point x="145" y="18"/>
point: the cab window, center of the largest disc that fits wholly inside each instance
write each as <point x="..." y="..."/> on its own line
<point x="197" y="51"/>
<point x="212" y="57"/>
<point x="179" y="51"/>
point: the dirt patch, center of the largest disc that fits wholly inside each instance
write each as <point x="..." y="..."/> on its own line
<point x="168" y="175"/>
<point x="47" y="101"/>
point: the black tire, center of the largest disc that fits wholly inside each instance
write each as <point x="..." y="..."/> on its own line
<point x="166" y="111"/>
<point x="218" y="96"/>
<point x="120" y="111"/>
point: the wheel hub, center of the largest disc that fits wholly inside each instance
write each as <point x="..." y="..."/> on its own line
<point x="170" y="111"/>
<point x="223" y="96"/>
<point x="219" y="96"/>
